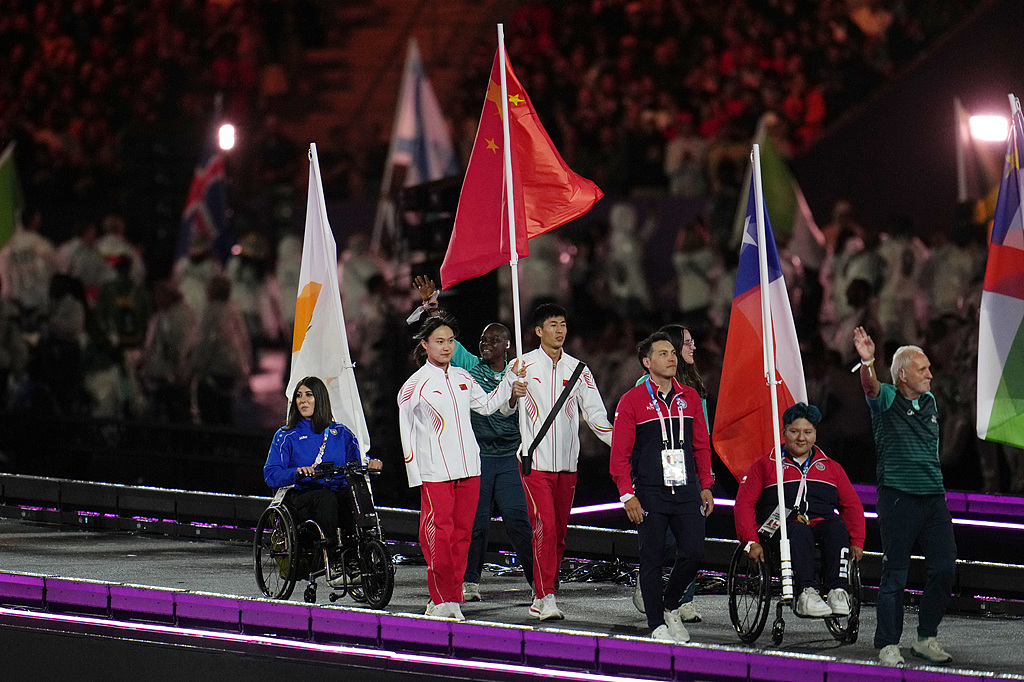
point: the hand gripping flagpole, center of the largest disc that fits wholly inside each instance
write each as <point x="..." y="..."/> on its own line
<point x="514" y="257"/>
<point x="768" y="336"/>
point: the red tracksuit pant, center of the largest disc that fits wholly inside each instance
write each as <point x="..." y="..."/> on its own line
<point x="548" y="498"/>
<point x="447" y="510"/>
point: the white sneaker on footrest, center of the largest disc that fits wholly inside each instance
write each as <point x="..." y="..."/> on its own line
<point x="810" y="604"/>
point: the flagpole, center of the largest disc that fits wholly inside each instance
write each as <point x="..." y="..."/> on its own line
<point x="769" y="353"/>
<point x="514" y="258"/>
<point x="386" y="216"/>
<point x="1014" y="112"/>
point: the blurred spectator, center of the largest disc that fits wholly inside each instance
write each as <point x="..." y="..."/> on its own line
<point x="79" y="258"/>
<point x="114" y="245"/>
<point x="27" y="261"/>
<point x="163" y="368"/>
<point x="254" y="291"/>
<point x="221" y="357"/>
<point x="627" y="284"/>
<point x="698" y="269"/>
<point x="192" y="272"/>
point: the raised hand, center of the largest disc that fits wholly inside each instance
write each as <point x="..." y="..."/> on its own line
<point x="864" y="345"/>
<point x="424" y="285"/>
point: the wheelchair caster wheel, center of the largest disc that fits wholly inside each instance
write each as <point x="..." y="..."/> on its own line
<point x="333" y="596"/>
<point x="310" y="594"/>
<point x="778" y="630"/>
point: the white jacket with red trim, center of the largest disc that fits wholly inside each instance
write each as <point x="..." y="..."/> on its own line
<point x="560" y="448"/>
<point x="433" y="415"/>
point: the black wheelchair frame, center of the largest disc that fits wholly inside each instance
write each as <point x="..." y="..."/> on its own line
<point x="751" y="585"/>
<point x="286" y="551"/>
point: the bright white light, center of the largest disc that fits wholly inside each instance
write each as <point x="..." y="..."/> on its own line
<point x="989" y="128"/>
<point x="226" y="136"/>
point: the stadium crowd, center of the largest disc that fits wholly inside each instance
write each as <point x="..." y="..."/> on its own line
<point x="646" y="97"/>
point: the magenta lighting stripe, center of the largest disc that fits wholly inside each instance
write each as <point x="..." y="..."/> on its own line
<point x="974" y="523"/>
<point x="319" y="648"/>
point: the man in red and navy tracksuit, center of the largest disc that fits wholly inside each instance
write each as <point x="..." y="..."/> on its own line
<point x="661" y="464"/>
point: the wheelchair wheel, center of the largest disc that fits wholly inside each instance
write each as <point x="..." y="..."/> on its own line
<point x="846" y="628"/>
<point x="275" y="553"/>
<point x="378" y="573"/>
<point x="749" y="587"/>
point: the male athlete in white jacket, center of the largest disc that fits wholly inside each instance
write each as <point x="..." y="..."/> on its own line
<point x="551" y="484"/>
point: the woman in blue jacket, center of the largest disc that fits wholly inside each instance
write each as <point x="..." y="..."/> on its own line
<point x="310" y="437"/>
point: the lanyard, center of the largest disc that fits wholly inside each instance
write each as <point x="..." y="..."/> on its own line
<point x="320" y="455"/>
<point x="661" y="418"/>
<point x="802" y="489"/>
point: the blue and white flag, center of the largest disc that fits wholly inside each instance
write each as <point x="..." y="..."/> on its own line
<point x="422" y="141"/>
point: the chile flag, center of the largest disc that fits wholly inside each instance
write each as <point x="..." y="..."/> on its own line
<point x="743" y="417"/>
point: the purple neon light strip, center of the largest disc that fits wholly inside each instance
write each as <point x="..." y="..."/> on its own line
<point x="322" y="648"/>
<point x="995" y="525"/>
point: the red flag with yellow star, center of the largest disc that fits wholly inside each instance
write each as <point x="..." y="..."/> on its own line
<point x="546" y="192"/>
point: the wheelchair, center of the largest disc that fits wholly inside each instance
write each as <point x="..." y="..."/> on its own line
<point x="287" y="549"/>
<point x="751" y="585"/>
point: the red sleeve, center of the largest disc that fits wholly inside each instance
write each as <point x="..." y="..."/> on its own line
<point x="851" y="510"/>
<point x="701" y="441"/>
<point x="746" y="499"/>
<point x="623" y="438"/>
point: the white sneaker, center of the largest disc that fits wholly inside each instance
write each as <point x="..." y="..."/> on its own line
<point x="431" y="609"/>
<point x="455" y="611"/>
<point x="675" y="626"/>
<point x="688" y="614"/>
<point x="810" y="604"/>
<point x="638" y="599"/>
<point x="471" y="591"/>
<point x="929" y="650"/>
<point x="662" y="634"/>
<point x="839" y="602"/>
<point x="535" y="607"/>
<point x="549" y="610"/>
<point x="890" y="655"/>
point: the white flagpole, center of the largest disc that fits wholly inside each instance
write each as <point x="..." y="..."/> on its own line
<point x="1014" y="110"/>
<point x="769" y="352"/>
<point x="514" y="259"/>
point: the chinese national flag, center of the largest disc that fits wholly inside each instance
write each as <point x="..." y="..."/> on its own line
<point x="547" y="193"/>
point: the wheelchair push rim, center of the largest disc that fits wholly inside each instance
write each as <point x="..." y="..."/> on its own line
<point x="749" y="588"/>
<point x="378" y="573"/>
<point x="275" y="553"/>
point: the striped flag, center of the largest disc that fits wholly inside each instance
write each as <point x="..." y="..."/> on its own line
<point x="743" y="418"/>
<point x="319" y="342"/>
<point x="205" y="218"/>
<point x="422" y="142"/>
<point x="1001" y="334"/>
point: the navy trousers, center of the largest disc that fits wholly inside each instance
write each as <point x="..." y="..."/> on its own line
<point x="680" y="514"/>
<point x="904" y="520"/>
<point x="830" y="532"/>
<point x="501" y="485"/>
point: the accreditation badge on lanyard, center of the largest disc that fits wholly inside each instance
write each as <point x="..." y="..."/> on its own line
<point x="673" y="459"/>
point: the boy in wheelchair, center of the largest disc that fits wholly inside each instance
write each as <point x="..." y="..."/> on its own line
<point x="815" y="486"/>
<point x="308" y="438"/>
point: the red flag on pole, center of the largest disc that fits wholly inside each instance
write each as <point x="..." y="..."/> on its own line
<point x="547" y="193"/>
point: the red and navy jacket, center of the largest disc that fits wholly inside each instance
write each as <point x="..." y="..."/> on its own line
<point x="637" y="444"/>
<point x="828" y="488"/>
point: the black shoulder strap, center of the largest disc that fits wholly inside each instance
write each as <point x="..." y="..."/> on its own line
<point x="527" y="460"/>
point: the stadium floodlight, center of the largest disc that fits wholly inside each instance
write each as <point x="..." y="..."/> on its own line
<point x="989" y="128"/>
<point x="226" y="136"/>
